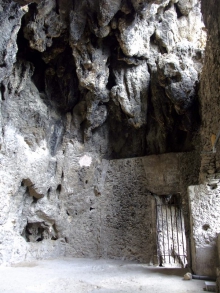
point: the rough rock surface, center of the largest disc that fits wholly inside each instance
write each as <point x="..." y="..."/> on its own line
<point x="204" y="211"/>
<point x="83" y="83"/>
<point x="204" y="198"/>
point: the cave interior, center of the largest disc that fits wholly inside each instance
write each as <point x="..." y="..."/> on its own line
<point x="110" y="131"/>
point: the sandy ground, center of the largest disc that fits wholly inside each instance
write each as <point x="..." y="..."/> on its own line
<point x="93" y="276"/>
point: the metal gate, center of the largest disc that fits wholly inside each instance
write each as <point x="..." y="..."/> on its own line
<point x="171" y="239"/>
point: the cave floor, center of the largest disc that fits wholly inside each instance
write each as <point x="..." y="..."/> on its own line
<point x="93" y="276"/>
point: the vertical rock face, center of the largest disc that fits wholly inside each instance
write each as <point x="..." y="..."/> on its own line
<point x="210" y="91"/>
<point x="204" y="198"/>
<point x="83" y="81"/>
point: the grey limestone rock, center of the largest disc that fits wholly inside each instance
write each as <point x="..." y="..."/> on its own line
<point x="47" y="24"/>
<point x="10" y="22"/>
<point x="83" y="83"/>
<point x="131" y="92"/>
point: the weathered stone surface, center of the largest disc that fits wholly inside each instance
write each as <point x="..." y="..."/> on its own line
<point x="104" y="36"/>
<point x="205" y="197"/>
<point x="85" y="81"/>
<point x="10" y="22"/>
<point x="204" y="210"/>
<point x="131" y="92"/>
<point x="46" y="25"/>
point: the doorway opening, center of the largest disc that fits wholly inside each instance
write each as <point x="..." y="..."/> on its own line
<point x="171" y="239"/>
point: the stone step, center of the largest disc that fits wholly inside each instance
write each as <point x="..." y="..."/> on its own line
<point x="210" y="286"/>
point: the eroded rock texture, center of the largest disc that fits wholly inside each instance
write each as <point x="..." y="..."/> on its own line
<point x="204" y="199"/>
<point x="82" y="81"/>
<point x="140" y="61"/>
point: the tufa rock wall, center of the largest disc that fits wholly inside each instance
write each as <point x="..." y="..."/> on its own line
<point x="82" y="84"/>
<point x="100" y="208"/>
<point x="126" y="71"/>
<point x="204" y="198"/>
<point x="209" y="93"/>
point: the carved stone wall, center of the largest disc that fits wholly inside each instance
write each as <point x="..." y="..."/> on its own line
<point x="116" y="217"/>
<point x="99" y="209"/>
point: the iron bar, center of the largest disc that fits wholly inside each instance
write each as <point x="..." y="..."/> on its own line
<point x="158" y="247"/>
<point x="163" y="233"/>
<point x="177" y="232"/>
<point x="170" y="223"/>
<point x="167" y="232"/>
<point x="172" y="229"/>
<point x="182" y="233"/>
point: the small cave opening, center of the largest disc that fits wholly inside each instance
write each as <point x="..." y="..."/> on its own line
<point x="33" y="232"/>
<point x="205" y="227"/>
<point x="38" y="231"/>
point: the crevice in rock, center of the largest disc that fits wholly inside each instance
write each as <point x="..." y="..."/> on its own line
<point x="2" y="92"/>
<point x="55" y="135"/>
<point x="178" y="12"/>
<point x="32" y="10"/>
<point x="57" y="7"/>
<point x="62" y="86"/>
<point x="167" y="7"/>
<point x="33" y="56"/>
<point x="153" y="39"/>
<point x="59" y="188"/>
<point x="48" y="193"/>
